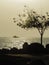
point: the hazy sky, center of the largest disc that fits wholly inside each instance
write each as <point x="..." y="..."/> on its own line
<point x="10" y="8"/>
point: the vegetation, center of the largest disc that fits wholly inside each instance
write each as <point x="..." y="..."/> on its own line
<point x="32" y="49"/>
<point x="30" y="19"/>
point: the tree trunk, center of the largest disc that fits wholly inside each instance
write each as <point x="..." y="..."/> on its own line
<point x="41" y="39"/>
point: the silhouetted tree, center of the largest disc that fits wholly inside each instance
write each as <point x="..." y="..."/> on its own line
<point x="30" y="19"/>
<point x="36" y="48"/>
<point x="25" y="47"/>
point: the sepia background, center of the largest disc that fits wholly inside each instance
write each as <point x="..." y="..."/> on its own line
<point x="11" y="8"/>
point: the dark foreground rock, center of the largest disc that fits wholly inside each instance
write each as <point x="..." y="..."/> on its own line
<point x="23" y="60"/>
<point x="34" y="54"/>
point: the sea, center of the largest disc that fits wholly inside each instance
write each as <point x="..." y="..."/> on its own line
<point x="8" y="42"/>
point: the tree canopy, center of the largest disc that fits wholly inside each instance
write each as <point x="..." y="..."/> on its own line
<point x="30" y="19"/>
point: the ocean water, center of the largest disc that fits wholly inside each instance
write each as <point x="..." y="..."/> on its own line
<point x="7" y="42"/>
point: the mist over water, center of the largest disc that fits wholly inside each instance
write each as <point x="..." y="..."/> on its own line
<point x="6" y="42"/>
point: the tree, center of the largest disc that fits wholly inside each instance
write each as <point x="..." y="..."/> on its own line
<point x="30" y="19"/>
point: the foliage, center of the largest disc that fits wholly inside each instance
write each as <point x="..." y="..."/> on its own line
<point x="30" y="19"/>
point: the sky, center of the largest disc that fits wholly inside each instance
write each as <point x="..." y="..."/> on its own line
<point x="10" y="9"/>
